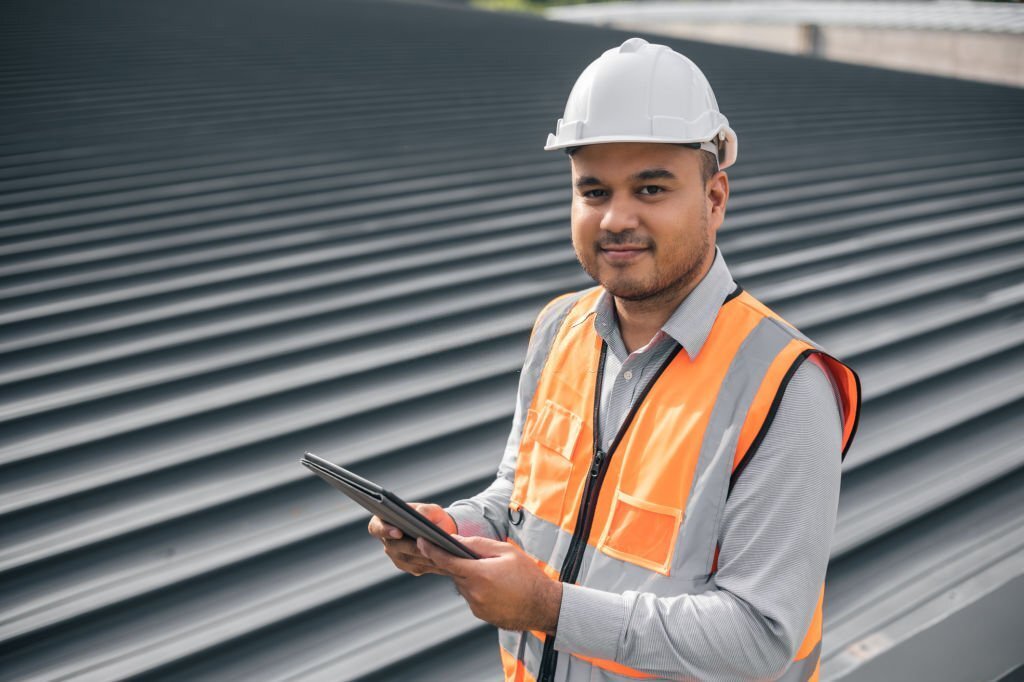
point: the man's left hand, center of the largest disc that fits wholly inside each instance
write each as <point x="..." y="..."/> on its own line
<point x="503" y="587"/>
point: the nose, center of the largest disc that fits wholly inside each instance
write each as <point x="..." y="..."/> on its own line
<point x="620" y="213"/>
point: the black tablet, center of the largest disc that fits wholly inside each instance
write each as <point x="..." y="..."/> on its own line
<point x="388" y="506"/>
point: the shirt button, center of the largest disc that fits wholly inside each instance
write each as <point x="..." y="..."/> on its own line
<point x="627" y="375"/>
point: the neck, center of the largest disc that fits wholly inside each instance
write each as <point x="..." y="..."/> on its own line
<point x="640" y="320"/>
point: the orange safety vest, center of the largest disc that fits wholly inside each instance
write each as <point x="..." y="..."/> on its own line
<point x="637" y="527"/>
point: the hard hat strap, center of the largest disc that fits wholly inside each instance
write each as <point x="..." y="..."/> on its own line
<point x="709" y="146"/>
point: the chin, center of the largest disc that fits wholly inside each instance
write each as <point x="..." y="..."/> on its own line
<point x="629" y="291"/>
<point x="633" y="295"/>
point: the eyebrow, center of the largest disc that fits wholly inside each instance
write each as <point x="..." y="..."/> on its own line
<point x="646" y="174"/>
<point x="654" y="174"/>
<point x="586" y="181"/>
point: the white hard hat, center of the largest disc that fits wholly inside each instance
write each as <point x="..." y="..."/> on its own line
<point x="639" y="92"/>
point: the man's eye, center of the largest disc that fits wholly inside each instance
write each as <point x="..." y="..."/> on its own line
<point x="651" y="189"/>
<point x="594" y="193"/>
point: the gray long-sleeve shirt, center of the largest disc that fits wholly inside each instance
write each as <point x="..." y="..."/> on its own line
<point x="775" y="535"/>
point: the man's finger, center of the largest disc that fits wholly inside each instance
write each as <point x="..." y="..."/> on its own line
<point x="405" y="544"/>
<point x="449" y="563"/>
<point x="419" y="567"/>
<point x="382" y="530"/>
<point x="408" y="558"/>
<point x="404" y="551"/>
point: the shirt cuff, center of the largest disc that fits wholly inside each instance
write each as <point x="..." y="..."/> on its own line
<point x="468" y="522"/>
<point x="590" y="622"/>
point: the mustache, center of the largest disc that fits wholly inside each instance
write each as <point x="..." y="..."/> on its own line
<point x="624" y="239"/>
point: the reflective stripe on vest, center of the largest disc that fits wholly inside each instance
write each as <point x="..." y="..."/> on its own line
<point x="720" y="405"/>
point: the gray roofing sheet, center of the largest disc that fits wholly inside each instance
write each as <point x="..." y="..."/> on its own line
<point x="232" y="231"/>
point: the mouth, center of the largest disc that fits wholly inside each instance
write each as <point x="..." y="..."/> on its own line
<point x="622" y="254"/>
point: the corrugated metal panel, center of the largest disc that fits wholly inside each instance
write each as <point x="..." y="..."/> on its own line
<point x="231" y="231"/>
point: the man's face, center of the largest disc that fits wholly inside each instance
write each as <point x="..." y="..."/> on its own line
<point x="643" y="221"/>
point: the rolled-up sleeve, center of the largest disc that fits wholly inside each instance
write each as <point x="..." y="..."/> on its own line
<point x="775" y="537"/>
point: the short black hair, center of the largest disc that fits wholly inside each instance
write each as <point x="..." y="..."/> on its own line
<point x="708" y="165"/>
<point x="708" y="161"/>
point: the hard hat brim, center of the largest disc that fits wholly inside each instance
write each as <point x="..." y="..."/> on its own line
<point x="727" y="156"/>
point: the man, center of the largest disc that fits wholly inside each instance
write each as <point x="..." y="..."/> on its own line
<point x="631" y="532"/>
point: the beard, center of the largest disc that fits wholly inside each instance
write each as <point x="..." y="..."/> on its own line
<point x="657" y="284"/>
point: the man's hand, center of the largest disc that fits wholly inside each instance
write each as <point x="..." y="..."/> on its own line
<point x="504" y="587"/>
<point x="402" y="550"/>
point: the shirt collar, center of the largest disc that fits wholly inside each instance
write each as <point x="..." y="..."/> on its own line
<point x="691" y="322"/>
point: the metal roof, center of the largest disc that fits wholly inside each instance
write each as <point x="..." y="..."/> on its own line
<point x="234" y="231"/>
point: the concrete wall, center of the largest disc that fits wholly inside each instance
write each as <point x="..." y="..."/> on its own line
<point x="988" y="57"/>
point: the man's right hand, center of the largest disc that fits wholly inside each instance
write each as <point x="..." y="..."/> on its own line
<point x="402" y="550"/>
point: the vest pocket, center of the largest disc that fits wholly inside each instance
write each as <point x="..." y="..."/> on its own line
<point x="641" y="532"/>
<point x="546" y="450"/>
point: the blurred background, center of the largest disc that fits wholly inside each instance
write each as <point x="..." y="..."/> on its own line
<point x="235" y="230"/>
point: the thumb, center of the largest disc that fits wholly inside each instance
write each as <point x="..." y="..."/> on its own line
<point x="485" y="547"/>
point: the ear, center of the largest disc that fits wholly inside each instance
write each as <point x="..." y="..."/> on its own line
<point x="717" y="196"/>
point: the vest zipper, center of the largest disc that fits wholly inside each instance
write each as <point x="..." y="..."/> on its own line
<point x="585" y="517"/>
<point x="574" y="557"/>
